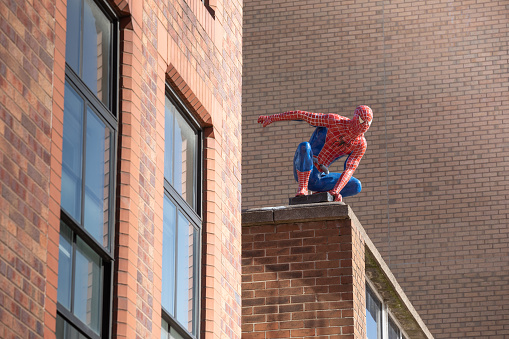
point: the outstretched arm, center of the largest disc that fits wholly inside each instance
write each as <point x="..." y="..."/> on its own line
<point x="351" y="165"/>
<point x="315" y="119"/>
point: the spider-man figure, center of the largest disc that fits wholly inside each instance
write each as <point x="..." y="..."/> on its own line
<point x="334" y="137"/>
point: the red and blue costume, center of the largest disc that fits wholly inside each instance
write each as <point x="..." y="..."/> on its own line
<point x="334" y="138"/>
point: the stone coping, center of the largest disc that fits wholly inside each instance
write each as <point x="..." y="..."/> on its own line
<point x="296" y="213"/>
<point x="377" y="271"/>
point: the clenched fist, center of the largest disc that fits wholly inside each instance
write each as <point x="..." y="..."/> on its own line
<point x="265" y="120"/>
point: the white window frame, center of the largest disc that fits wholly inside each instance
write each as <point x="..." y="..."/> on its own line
<point x="386" y="312"/>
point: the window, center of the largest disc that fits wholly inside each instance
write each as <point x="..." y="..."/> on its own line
<point x="181" y="225"/>
<point x="394" y="331"/>
<point x="373" y="315"/>
<point x="379" y="323"/>
<point x="88" y="49"/>
<point x="88" y="158"/>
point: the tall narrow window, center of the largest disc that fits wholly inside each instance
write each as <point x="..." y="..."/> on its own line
<point x="373" y="315"/>
<point x="181" y="225"/>
<point x="379" y="322"/>
<point x="394" y="331"/>
<point x="86" y="239"/>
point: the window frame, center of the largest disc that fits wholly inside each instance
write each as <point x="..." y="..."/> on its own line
<point x="193" y="216"/>
<point x="198" y="185"/>
<point x="385" y="314"/>
<point x="109" y="116"/>
<point x="370" y="290"/>
<point x="391" y="318"/>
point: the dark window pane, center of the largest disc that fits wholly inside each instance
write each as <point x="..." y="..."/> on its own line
<point x="60" y="331"/>
<point x="184" y="162"/>
<point x="66" y="330"/>
<point x="168" y="140"/>
<point x="87" y="285"/>
<point x="96" y="49"/>
<point x="97" y="173"/>
<point x="73" y="36"/>
<point x="72" y="153"/>
<point x="168" y="275"/>
<point x="168" y="332"/>
<point x="74" y="334"/>
<point x="393" y="330"/>
<point x="174" y="334"/>
<point x="373" y="316"/>
<point x="65" y="266"/>
<point x="165" y="330"/>
<point x="185" y="273"/>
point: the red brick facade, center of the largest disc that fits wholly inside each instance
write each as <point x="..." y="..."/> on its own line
<point x="30" y="91"/>
<point x="194" y="50"/>
<point x="434" y="174"/>
<point x="299" y="280"/>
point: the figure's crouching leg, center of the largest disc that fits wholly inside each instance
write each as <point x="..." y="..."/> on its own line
<point x="353" y="187"/>
<point x="303" y="179"/>
<point x="302" y="166"/>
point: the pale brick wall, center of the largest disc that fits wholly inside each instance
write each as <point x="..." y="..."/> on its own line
<point x="434" y="185"/>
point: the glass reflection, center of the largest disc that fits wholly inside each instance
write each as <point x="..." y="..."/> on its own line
<point x="60" y="330"/>
<point x="168" y="332"/>
<point x="96" y="43"/>
<point x="67" y="331"/>
<point x="184" y="163"/>
<point x="65" y="266"/>
<point x="181" y="142"/>
<point x="72" y="151"/>
<point x="373" y="316"/>
<point x="165" y="333"/>
<point x="168" y="140"/>
<point x="393" y="330"/>
<point x="97" y="178"/>
<point x="87" y="286"/>
<point x="174" y="334"/>
<point x="88" y="44"/>
<point x="168" y="275"/>
<point x="185" y="268"/>
<point x="73" y="36"/>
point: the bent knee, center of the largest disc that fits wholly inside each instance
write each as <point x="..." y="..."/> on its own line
<point x="304" y="147"/>
<point x="357" y="186"/>
<point x="353" y="187"/>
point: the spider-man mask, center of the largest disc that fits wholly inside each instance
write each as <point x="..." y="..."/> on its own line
<point x="362" y="118"/>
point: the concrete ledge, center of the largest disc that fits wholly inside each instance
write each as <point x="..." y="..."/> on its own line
<point x="257" y="217"/>
<point x="296" y="213"/>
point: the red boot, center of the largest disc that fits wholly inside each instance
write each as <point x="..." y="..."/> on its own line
<point x="303" y="182"/>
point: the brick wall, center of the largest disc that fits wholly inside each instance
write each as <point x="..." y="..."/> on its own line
<point x="303" y="279"/>
<point x="172" y="42"/>
<point x="31" y="89"/>
<point x="434" y="182"/>
<point x="305" y="270"/>
<point x="180" y="44"/>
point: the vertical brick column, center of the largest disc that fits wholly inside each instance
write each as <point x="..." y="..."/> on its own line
<point x="31" y="111"/>
<point x="128" y="200"/>
<point x="303" y="273"/>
